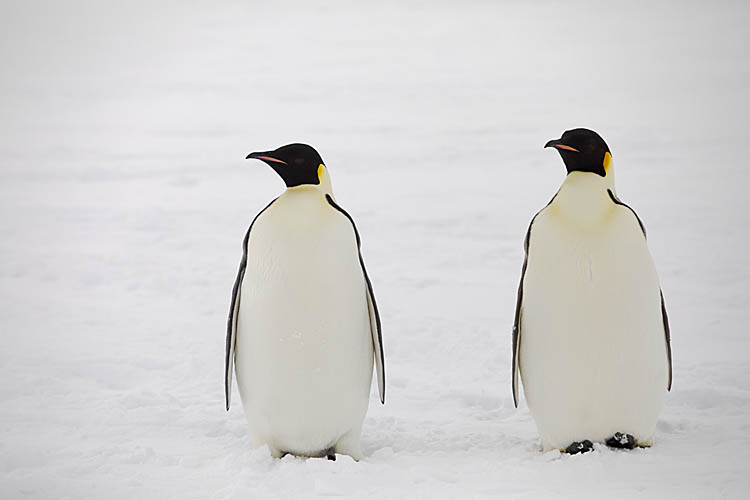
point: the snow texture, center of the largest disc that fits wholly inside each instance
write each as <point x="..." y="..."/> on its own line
<point x="124" y="197"/>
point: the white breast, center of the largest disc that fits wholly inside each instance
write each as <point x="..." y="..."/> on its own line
<point x="593" y="355"/>
<point x="304" y="352"/>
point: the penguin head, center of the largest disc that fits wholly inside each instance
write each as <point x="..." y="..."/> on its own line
<point x="297" y="164"/>
<point x="583" y="150"/>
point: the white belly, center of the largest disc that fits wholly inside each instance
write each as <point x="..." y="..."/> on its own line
<point x="304" y="352"/>
<point x="593" y="355"/>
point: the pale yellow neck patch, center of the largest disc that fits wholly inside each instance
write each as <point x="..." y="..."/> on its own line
<point x="324" y="180"/>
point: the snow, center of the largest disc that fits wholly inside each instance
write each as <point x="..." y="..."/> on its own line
<point x="125" y="195"/>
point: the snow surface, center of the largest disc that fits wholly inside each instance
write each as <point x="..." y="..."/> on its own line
<point x="124" y="197"/>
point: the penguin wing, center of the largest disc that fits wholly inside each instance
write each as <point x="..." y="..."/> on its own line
<point x="372" y="308"/>
<point x="519" y="303"/>
<point x="664" y="317"/>
<point x="234" y="309"/>
<point x="517" y="317"/>
<point x="668" y="338"/>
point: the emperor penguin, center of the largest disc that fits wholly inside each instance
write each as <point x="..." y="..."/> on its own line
<point x="591" y="335"/>
<point x="303" y="328"/>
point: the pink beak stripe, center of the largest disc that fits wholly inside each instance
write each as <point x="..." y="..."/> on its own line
<point x="268" y="158"/>
<point x="563" y="146"/>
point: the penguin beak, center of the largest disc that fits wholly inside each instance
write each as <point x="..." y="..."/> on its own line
<point x="557" y="144"/>
<point x="265" y="156"/>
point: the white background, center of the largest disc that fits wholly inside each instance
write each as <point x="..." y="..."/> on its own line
<point x="124" y="197"/>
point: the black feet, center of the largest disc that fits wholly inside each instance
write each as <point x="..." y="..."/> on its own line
<point x="332" y="457"/>
<point x="620" y="440"/>
<point x="580" y="447"/>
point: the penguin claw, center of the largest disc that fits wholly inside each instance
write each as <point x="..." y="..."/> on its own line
<point x="620" y="440"/>
<point x="579" y="447"/>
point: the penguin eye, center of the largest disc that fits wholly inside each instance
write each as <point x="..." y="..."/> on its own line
<point x="299" y="161"/>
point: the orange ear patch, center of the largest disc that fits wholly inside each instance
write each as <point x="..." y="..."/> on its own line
<point x="607" y="162"/>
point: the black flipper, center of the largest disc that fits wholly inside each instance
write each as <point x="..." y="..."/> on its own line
<point x="665" y="319"/>
<point x="233" y="310"/>
<point x="668" y="337"/>
<point x="375" y="327"/>
<point x="519" y="302"/>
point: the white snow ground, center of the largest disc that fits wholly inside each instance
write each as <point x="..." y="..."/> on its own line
<point x="124" y="197"/>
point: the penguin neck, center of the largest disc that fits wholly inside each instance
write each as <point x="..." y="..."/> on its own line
<point x="583" y="195"/>
<point x="321" y="189"/>
<point x="325" y="183"/>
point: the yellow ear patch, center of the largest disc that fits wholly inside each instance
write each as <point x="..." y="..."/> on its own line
<point x="320" y="172"/>
<point x="607" y="162"/>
